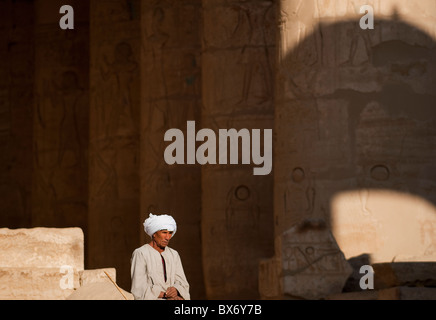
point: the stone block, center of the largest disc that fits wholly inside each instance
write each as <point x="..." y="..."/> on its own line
<point x="398" y="274"/>
<point x="360" y="295"/>
<point x="42" y="248"/>
<point x="396" y="293"/>
<point x="102" y="290"/>
<point x="36" y="283"/>
<point x="353" y="282"/>
<point x="313" y="266"/>
<point x="48" y="283"/>
<point x="96" y="275"/>
<point x="269" y="280"/>
<point x="407" y="293"/>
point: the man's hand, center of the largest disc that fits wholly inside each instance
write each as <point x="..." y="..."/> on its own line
<point x="171" y="293"/>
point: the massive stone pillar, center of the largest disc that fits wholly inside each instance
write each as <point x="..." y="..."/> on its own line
<point x="237" y="225"/>
<point x="59" y="177"/>
<point x="114" y="136"/>
<point x="355" y="167"/>
<point x="16" y="112"/>
<point x="171" y="96"/>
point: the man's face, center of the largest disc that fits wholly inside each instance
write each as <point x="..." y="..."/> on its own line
<point x="162" y="237"/>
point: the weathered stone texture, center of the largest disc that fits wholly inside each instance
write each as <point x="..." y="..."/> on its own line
<point x="270" y="284"/>
<point x="45" y="264"/>
<point x="42" y="248"/>
<point x="31" y="262"/>
<point x="412" y="274"/>
<point x="407" y="293"/>
<point x="103" y="290"/>
<point x="34" y="284"/>
<point x="396" y="293"/>
<point x="313" y="266"/>
<point x="96" y="275"/>
<point x="52" y="283"/>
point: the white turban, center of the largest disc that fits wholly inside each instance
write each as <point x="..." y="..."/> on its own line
<point x="155" y="223"/>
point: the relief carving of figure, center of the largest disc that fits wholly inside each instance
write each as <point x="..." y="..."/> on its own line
<point x="257" y="79"/>
<point x="123" y="70"/>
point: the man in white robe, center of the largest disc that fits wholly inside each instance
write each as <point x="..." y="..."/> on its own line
<point x="156" y="269"/>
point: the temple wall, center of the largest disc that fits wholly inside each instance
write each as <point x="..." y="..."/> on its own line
<point x="114" y="112"/>
<point x="83" y="114"/>
<point x="60" y="118"/>
<point x="171" y="96"/>
<point x="16" y="112"/>
<point x="354" y="159"/>
<point x="238" y="71"/>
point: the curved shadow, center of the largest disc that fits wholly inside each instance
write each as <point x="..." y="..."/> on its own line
<point x="356" y="152"/>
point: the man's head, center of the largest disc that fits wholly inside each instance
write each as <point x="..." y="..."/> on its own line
<point x="160" y="227"/>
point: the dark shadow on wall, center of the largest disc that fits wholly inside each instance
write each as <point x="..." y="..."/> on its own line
<point x="356" y="138"/>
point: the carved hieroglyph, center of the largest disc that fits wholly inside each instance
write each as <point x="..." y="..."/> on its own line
<point x="313" y="266"/>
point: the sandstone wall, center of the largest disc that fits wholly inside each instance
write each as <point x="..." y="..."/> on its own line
<point x="114" y="110"/>
<point x="16" y="112"/>
<point x="60" y="114"/>
<point x="237" y="70"/>
<point x="355" y="134"/>
<point x="44" y="264"/>
<point x="171" y="90"/>
<point x="83" y="114"/>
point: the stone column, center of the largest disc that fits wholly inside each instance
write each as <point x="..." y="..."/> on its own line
<point x="59" y="177"/>
<point x="354" y="123"/>
<point x="237" y="225"/>
<point x="16" y="112"/>
<point x="114" y="136"/>
<point x="171" y="96"/>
